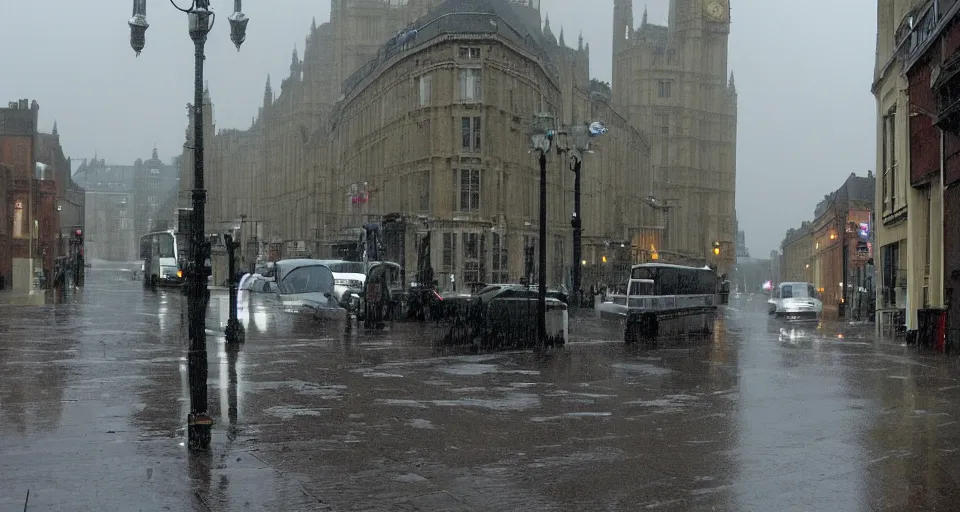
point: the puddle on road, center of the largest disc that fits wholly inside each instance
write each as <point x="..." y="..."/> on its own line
<point x="371" y="373"/>
<point x="331" y="391"/>
<point x="669" y="403"/>
<point x="409" y="478"/>
<point x="421" y="424"/>
<point x="574" y="415"/>
<point x="511" y="402"/>
<point x="482" y="369"/>
<point x="287" y="412"/>
<point x="644" y="369"/>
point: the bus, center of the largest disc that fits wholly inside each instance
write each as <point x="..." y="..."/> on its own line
<point x="160" y="259"/>
<point x="660" y="300"/>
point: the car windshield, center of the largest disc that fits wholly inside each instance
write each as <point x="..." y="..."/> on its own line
<point x="309" y="279"/>
<point x="797" y="291"/>
<point x="347" y="267"/>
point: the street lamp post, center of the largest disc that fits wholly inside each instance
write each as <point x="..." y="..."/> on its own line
<point x="201" y="18"/>
<point x="541" y="137"/>
<point x="581" y="139"/>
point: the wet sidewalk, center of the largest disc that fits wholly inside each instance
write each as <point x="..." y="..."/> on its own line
<point x="93" y="402"/>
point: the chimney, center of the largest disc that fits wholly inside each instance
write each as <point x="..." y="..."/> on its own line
<point x="870" y="174"/>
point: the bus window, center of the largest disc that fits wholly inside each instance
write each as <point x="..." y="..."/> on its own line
<point x="641" y="287"/>
<point x="166" y="246"/>
<point x="668" y="281"/>
<point x="642" y="273"/>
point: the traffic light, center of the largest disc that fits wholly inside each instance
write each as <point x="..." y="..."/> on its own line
<point x="716" y="248"/>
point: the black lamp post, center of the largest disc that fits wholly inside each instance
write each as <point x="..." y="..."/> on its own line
<point x="581" y="139"/>
<point x="201" y="18"/>
<point x="541" y="137"/>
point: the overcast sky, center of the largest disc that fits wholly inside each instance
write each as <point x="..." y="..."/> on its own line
<point x="803" y="72"/>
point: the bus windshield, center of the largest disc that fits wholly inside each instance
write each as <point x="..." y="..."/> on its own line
<point x="166" y="249"/>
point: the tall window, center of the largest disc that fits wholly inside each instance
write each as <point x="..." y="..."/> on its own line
<point x="20" y="228"/>
<point x="470" y="134"/>
<point x="469" y="85"/>
<point x="889" y="161"/>
<point x="558" y="258"/>
<point x="530" y="248"/>
<point x="665" y="88"/>
<point x="449" y="263"/>
<point x="425" y="191"/>
<point x="663" y="124"/>
<point x="500" y="262"/>
<point x="425" y="83"/>
<point x="468" y="188"/>
<point x="471" y="258"/>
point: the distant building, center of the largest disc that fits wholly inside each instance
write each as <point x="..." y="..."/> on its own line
<point x="110" y="198"/>
<point x="155" y="182"/>
<point x="797" y="252"/>
<point x="124" y="202"/>
<point x="39" y="201"/>
<point x="835" y="250"/>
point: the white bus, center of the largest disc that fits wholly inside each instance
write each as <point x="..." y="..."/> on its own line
<point x="160" y="259"/>
<point x="664" y="300"/>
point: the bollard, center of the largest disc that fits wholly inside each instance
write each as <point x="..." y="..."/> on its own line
<point x="234" y="330"/>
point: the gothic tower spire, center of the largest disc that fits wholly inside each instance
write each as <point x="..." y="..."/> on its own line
<point x="622" y="24"/>
<point x="268" y="93"/>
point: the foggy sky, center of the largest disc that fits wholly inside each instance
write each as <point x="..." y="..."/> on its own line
<point x="803" y="72"/>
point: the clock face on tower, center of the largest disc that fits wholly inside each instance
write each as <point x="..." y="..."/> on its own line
<point x="715" y="10"/>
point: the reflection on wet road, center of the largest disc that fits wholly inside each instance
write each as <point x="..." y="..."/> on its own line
<point x="762" y="416"/>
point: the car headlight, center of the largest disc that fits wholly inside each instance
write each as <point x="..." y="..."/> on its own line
<point x="349" y="283"/>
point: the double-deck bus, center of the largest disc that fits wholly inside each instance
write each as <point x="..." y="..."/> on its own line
<point x="160" y="259"/>
<point x="664" y="300"/>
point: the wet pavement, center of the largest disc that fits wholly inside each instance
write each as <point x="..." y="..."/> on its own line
<point x="760" y="417"/>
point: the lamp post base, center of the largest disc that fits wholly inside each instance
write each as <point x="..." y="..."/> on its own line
<point x="234" y="331"/>
<point x="199" y="427"/>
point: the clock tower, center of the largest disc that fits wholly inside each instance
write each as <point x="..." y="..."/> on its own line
<point x="675" y="85"/>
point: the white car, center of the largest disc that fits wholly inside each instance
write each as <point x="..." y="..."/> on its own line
<point x="795" y="301"/>
<point x="348" y="276"/>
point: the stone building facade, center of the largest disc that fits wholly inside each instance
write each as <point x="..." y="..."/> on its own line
<point x="898" y="294"/>
<point x="154" y="182"/>
<point x="110" y="205"/>
<point x="432" y="124"/>
<point x="796" y="255"/>
<point x="674" y="85"/>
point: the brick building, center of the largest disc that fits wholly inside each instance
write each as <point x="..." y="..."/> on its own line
<point x="37" y="196"/>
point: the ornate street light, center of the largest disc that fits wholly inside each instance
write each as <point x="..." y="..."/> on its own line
<point x="542" y="132"/>
<point x="201" y="18"/>
<point x="581" y="135"/>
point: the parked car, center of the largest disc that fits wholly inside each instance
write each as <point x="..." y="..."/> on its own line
<point x="348" y="276"/>
<point x="306" y="286"/>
